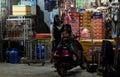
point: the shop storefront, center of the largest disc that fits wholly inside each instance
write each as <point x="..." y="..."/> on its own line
<point x="90" y="20"/>
<point x="94" y="21"/>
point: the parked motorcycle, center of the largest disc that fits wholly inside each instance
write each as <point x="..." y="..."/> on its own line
<point x="65" y="59"/>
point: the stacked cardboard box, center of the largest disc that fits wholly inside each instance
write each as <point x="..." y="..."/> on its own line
<point x="85" y="22"/>
<point x="98" y="26"/>
<point x="21" y="10"/>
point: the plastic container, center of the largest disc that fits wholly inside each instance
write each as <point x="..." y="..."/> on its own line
<point x="42" y="35"/>
<point x="13" y="56"/>
<point x="40" y="51"/>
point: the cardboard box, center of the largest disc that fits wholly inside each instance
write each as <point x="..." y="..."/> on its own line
<point x="21" y="10"/>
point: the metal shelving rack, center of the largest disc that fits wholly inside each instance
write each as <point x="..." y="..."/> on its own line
<point x="19" y="22"/>
<point x="19" y="29"/>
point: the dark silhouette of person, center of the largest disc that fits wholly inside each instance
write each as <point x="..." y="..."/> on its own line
<point x="58" y="28"/>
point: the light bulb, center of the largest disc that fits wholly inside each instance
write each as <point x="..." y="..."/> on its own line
<point x="72" y="5"/>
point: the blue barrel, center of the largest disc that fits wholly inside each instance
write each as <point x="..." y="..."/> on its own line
<point x="40" y="51"/>
<point x="13" y="56"/>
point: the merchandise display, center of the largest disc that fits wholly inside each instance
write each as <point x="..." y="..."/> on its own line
<point x="18" y="32"/>
<point x="74" y="16"/>
<point x="85" y="23"/>
<point x="19" y="27"/>
<point x="82" y="22"/>
<point x="95" y="24"/>
<point x="21" y="10"/>
<point x="98" y="25"/>
<point x="92" y="30"/>
<point x="83" y="3"/>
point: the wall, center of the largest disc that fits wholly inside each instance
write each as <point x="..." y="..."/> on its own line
<point x="46" y="13"/>
<point x="46" y="17"/>
<point x="43" y="18"/>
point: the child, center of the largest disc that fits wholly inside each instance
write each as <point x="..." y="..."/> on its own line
<point x="66" y="36"/>
<point x="68" y="39"/>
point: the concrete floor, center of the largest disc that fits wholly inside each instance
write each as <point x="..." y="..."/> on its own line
<point x="37" y="70"/>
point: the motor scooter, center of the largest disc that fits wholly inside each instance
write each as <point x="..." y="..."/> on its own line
<point x="65" y="59"/>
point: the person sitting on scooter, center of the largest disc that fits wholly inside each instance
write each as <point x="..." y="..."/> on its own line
<point x="68" y="39"/>
<point x="66" y="36"/>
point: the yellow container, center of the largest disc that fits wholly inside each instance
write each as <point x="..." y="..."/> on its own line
<point x="92" y="48"/>
<point x="21" y="10"/>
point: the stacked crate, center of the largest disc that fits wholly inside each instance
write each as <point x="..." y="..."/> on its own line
<point x="21" y="10"/>
<point x="85" y="22"/>
<point x="97" y="26"/>
<point x="85" y="19"/>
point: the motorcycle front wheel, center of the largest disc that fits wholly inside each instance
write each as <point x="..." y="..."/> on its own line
<point x="62" y="71"/>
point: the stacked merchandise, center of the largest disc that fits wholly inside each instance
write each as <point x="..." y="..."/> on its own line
<point x="31" y="3"/>
<point x="82" y="22"/>
<point x="104" y="1"/>
<point x="79" y="3"/>
<point x="85" y="19"/>
<point x="16" y="29"/>
<point x="98" y="26"/>
<point x="74" y="16"/>
<point x="83" y="3"/>
<point x="21" y="10"/>
<point x="85" y="22"/>
<point x="73" y="19"/>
